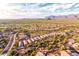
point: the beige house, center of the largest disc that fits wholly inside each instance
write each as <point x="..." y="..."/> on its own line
<point x="76" y="46"/>
<point x="64" y="53"/>
<point x="39" y="54"/>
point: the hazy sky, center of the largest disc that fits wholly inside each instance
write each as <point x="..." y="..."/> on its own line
<point x="36" y="10"/>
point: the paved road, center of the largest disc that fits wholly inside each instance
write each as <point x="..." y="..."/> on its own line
<point x="9" y="45"/>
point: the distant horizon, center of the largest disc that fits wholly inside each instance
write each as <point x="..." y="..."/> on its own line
<point x="44" y="17"/>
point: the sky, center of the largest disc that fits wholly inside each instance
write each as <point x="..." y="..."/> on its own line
<point x="36" y="10"/>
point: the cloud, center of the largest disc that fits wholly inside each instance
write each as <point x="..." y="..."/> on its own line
<point x="37" y="10"/>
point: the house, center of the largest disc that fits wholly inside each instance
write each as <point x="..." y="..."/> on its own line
<point x="42" y="51"/>
<point x="50" y="54"/>
<point x="22" y="52"/>
<point x="71" y="41"/>
<point x="76" y="46"/>
<point x="77" y="30"/>
<point x="22" y="36"/>
<point x="64" y="53"/>
<point x="29" y="41"/>
<point x="39" y="54"/>
<point x="21" y="45"/>
<point x="25" y="42"/>
<point x="32" y="39"/>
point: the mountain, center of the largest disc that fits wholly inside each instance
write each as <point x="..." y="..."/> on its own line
<point x="70" y="16"/>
